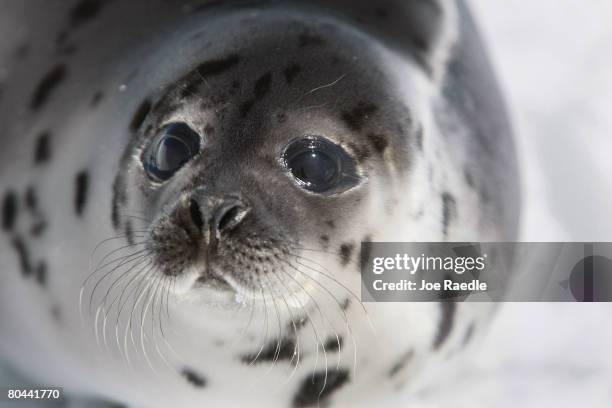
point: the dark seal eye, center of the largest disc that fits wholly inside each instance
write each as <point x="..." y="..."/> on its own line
<point x="320" y="166"/>
<point x="174" y="146"/>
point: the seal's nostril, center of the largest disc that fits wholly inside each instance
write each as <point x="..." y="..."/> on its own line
<point x="229" y="216"/>
<point x="196" y="214"/>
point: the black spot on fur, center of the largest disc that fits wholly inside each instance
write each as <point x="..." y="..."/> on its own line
<point x="119" y="198"/>
<point x="449" y="208"/>
<point x="23" y="255"/>
<point x="357" y="118"/>
<point x="324" y="240"/>
<point x="41" y="274"/>
<point x="218" y="66"/>
<point x="84" y="11"/>
<point x="56" y="313"/>
<point x="419" y="137"/>
<point x="469" y="179"/>
<point x="140" y="115"/>
<point x="31" y="200"/>
<point x="274" y="351"/>
<point x="331" y="224"/>
<point x="333" y="344"/>
<point x="400" y="363"/>
<point x="209" y="129"/>
<point x="96" y="99"/>
<point x="315" y="390"/>
<point x="346" y="250"/>
<point x="469" y="333"/>
<point x="42" y="151"/>
<point x="445" y="325"/>
<point x="47" y="85"/>
<point x="81" y="189"/>
<point x="365" y="252"/>
<point x="129" y="232"/>
<point x="194" y="378"/>
<point x="291" y="72"/>
<point x="484" y="194"/>
<point x="299" y="323"/>
<point x="379" y="142"/>
<point x="9" y="211"/>
<point x="310" y="40"/>
<point x="262" y="86"/>
<point x="38" y="228"/>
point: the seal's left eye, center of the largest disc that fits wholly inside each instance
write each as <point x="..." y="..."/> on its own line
<point x="320" y="166"/>
<point x="174" y="146"/>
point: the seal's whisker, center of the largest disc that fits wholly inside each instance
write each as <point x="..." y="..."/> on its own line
<point x="142" y="259"/>
<point x="119" y="260"/>
<point x="154" y="283"/>
<point x="169" y="289"/>
<point x="142" y="271"/>
<point x="124" y="261"/>
<point x="323" y="319"/>
<point x="265" y="308"/>
<point x="330" y="277"/>
<point x="135" y="291"/>
<point x="145" y="263"/>
<point x="110" y="307"/>
<point x="340" y="305"/>
<point x="116" y="237"/>
<point x="154" y="338"/>
<point x="141" y="292"/>
<point x="332" y="326"/>
<point x="92" y="274"/>
<point x="136" y="217"/>
<point x="280" y="328"/>
<point x="246" y="327"/>
<point x="296" y="348"/>
<point x="344" y="315"/>
<point x="318" y="88"/>
<point x="351" y="293"/>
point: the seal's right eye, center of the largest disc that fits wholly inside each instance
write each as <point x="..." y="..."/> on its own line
<point x="174" y="146"/>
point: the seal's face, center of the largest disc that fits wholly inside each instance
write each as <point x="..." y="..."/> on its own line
<point x="263" y="152"/>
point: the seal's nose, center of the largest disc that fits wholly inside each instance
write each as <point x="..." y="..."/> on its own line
<point x="217" y="214"/>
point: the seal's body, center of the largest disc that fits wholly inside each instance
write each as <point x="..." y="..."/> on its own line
<point x="185" y="187"/>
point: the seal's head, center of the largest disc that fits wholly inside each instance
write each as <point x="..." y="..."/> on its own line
<point x="282" y="143"/>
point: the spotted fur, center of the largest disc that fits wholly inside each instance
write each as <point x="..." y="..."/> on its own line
<point x="230" y="284"/>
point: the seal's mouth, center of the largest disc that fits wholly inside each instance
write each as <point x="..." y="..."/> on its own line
<point x="211" y="281"/>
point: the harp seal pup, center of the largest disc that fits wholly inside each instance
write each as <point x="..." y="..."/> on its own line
<point x="184" y="187"/>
